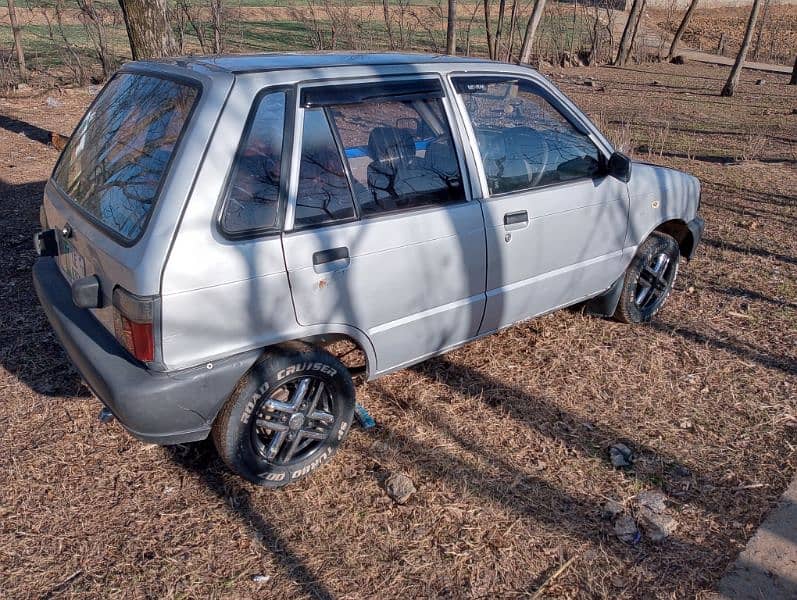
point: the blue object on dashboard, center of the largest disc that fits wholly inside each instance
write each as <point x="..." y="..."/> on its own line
<point x="362" y="151"/>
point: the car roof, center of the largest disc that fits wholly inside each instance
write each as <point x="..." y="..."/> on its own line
<point x="277" y="61"/>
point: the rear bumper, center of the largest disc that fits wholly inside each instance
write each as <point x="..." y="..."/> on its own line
<point x="161" y="408"/>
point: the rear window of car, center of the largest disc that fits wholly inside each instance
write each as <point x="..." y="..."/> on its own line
<point x="116" y="160"/>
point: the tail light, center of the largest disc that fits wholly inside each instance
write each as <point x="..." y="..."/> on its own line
<point x="134" y="323"/>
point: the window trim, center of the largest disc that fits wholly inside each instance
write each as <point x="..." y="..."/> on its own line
<point x="285" y="168"/>
<point x="400" y="91"/>
<point x="92" y="219"/>
<point x="548" y="96"/>
<point x="449" y="112"/>
<point x="346" y="173"/>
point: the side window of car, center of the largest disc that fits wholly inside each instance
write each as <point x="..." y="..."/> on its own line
<point x="253" y="191"/>
<point x="324" y="194"/>
<point x="524" y="141"/>
<point x="401" y="153"/>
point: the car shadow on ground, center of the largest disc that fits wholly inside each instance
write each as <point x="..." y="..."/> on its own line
<point x="679" y="479"/>
<point x="202" y="460"/>
<point x="745" y="294"/>
<point x="517" y="489"/>
<point x="723" y="245"/>
<point x="28" y="347"/>
<point x="742" y="350"/>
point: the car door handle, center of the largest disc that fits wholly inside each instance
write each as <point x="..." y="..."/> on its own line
<point x="330" y="260"/>
<point x="517" y="219"/>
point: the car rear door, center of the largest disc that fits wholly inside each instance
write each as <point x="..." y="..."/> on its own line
<point x="555" y="223"/>
<point x="381" y="233"/>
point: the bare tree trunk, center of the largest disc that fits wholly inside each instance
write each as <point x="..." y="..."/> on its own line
<point x="451" y="30"/>
<point x="531" y="30"/>
<point x="488" y="27"/>
<point x="194" y="20"/>
<point x="386" y="13"/>
<point x="469" y="27"/>
<point x="736" y="71"/>
<point x="217" y="10"/>
<point x="721" y="44"/>
<point x="512" y="27"/>
<point x="636" y="28"/>
<point x="498" y="29"/>
<point x="148" y="29"/>
<point x="12" y="15"/>
<point x="793" y="80"/>
<point x="629" y="32"/>
<point x="75" y="65"/>
<point x="99" y="36"/>
<point x="681" y="28"/>
<point x="763" y="23"/>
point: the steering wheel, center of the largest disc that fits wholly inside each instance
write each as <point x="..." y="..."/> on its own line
<point x="542" y="144"/>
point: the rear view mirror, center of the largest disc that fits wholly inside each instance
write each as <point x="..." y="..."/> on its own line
<point x="620" y="167"/>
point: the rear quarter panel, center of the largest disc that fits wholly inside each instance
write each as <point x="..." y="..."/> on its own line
<point x="221" y="296"/>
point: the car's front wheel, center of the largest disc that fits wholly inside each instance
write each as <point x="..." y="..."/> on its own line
<point x="649" y="279"/>
<point x="286" y="417"/>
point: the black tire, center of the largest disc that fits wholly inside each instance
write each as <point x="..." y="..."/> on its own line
<point x="288" y="381"/>
<point x="649" y="279"/>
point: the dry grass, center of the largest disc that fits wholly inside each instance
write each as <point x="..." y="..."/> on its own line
<point x="505" y="439"/>
<point x="777" y="39"/>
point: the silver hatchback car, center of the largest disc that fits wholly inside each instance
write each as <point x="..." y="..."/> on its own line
<point x="214" y="223"/>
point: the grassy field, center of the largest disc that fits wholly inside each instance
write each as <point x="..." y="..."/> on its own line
<point x="54" y="51"/>
<point x="506" y="440"/>
<point x="254" y="26"/>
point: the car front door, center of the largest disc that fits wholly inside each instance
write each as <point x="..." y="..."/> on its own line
<point x="555" y="223"/>
<point x="380" y="232"/>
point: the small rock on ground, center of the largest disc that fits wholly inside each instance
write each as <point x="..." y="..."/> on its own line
<point x="399" y="487"/>
<point x="620" y="455"/>
<point x="611" y="509"/>
<point x="626" y="530"/>
<point x="655" y="525"/>
<point x="654" y="500"/>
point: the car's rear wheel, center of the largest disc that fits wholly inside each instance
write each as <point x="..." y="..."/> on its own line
<point x="649" y="279"/>
<point x="286" y="417"/>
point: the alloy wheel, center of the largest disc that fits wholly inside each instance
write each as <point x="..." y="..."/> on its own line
<point x="654" y="282"/>
<point x="294" y="421"/>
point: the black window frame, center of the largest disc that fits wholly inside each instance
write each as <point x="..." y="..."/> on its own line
<point x="110" y="232"/>
<point x="286" y="160"/>
<point x="541" y="91"/>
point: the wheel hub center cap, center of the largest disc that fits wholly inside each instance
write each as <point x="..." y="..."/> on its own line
<point x="296" y="421"/>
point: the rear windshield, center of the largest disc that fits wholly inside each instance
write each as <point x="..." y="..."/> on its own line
<point x="115" y="161"/>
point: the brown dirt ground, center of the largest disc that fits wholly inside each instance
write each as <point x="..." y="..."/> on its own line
<point x="778" y="38"/>
<point x="506" y="439"/>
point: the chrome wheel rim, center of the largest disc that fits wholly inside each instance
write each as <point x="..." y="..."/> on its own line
<point x="654" y="282"/>
<point x="293" y="422"/>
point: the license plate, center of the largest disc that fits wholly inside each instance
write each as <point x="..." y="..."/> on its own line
<point x="72" y="264"/>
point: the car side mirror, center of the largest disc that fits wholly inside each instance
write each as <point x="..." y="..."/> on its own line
<point x="619" y="167"/>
